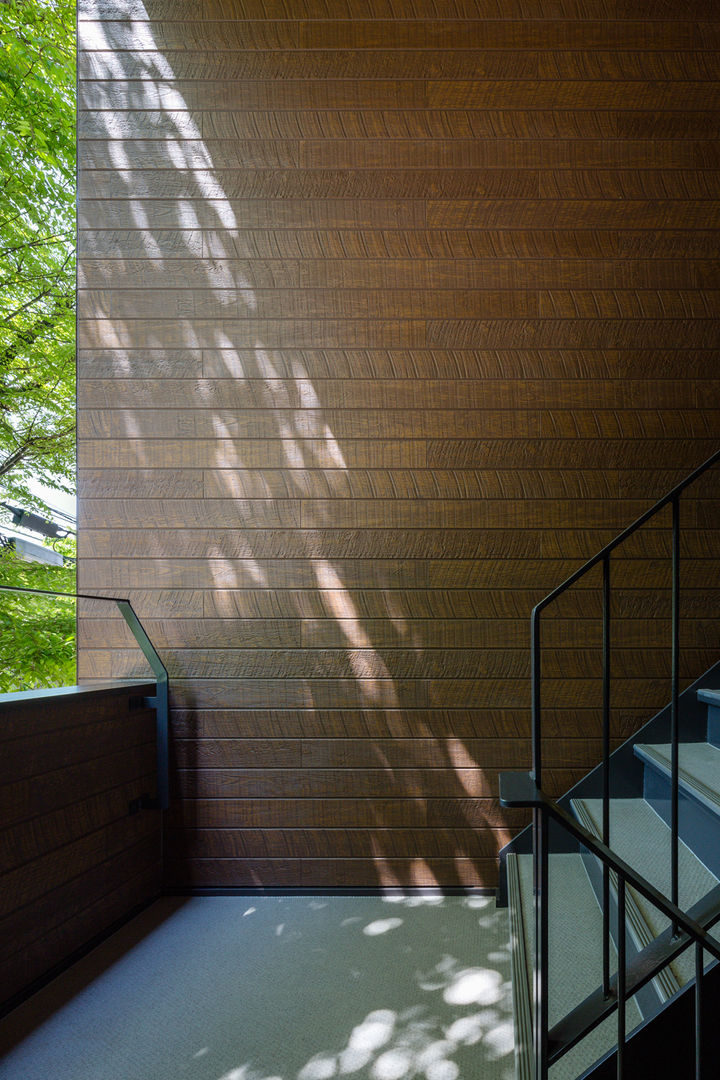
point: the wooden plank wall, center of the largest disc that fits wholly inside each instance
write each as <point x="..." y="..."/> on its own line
<point x="73" y="861"/>
<point x="391" y="312"/>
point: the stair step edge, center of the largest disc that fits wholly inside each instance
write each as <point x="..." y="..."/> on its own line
<point x="657" y="757"/>
<point x="642" y="934"/>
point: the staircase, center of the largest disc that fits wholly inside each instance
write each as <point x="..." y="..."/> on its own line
<point x="614" y="891"/>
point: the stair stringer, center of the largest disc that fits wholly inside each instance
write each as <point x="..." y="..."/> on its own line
<point x="664" y="1045"/>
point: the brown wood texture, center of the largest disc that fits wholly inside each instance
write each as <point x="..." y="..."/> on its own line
<point x="390" y="314"/>
<point x="73" y="860"/>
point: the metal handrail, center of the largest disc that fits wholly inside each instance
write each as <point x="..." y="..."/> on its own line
<point x="540" y="820"/>
<point x="160" y="701"/>
<point x="601" y="556"/>
<point x="519" y="790"/>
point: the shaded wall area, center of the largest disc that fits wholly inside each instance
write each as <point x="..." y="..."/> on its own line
<point x="73" y="859"/>
<point x="390" y="314"/>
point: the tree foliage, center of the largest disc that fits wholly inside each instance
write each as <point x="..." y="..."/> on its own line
<point x="37" y="247"/>
<point x="37" y="322"/>
<point x="37" y="633"/>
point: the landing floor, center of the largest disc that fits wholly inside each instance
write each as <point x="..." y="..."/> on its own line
<point x="280" y="988"/>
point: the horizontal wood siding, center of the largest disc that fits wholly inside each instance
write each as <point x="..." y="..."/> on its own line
<point x="390" y="314"/>
<point x="73" y="860"/>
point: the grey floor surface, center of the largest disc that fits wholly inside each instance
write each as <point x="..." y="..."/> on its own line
<point x="280" y="988"/>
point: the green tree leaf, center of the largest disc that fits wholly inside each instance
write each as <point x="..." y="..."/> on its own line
<point x="37" y="247"/>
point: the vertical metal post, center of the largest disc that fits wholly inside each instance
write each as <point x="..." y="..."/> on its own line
<point x="540" y="866"/>
<point x="606" y="771"/>
<point x="674" y="718"/>
<point x="621" y="988"/>
<point x="698" y="1010"/>
<point x="535" y="696"/>
<point x="540" y="869"/>
<point x="160" y="702"/>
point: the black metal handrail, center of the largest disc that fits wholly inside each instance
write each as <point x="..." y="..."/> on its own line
<point x="543" y="808"/>
<point x="160" y="701"/>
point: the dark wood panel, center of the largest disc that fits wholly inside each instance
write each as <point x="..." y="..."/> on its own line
<point x="268" y="213"/>
<point x="311" y="483"/>
<point x="501" y="34"/>
<point x="20" y="799"/>
<point x="72" y="858"/>
<point x="331" y="633"/>
<point x="88" y="707"/>
<point x="333" y="873"/>
<point x="364" y="10"/>
<point x="308" y="543"/>
<point x="33" y="755"/>
<point x="396" y="722"/>
<point x="428" y="394"/>
<point x="306" y="843"/>
<point x="369" y="273"/>
<point x="573" y="333"/>
<point x="42" y="955"/>
<point x="189" y="34"/>
<point x="344" y="813"/>
<point x="35" y="921"/>
<point x="413" y="175"/>
<point x="32" y="880"/>
<point x="129" y="452"/>
<point x="451" y="604"/>
<point x="573" y="214"/>
<point x="30" y="839"/>
<point x="417" y="313"/>
<point x="580" y="453"/>
<point x="249" y="814"/>
<point x="229" y="304"/>
<point x="511" y="146"/>
<point x="438" y="782"/>
<point x="368" y="665"/>
<point x="357" y="423"/>
<point x="196" y="72"/>
<point x="277" y="333"/>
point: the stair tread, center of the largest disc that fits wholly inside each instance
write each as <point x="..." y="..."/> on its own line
<point x="642" y="839"/>
<point x="575" y="954"/>
<point x="712" y="697"/>
<point x="699" y="770"/>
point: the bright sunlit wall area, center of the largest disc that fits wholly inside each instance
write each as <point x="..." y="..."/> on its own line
<point x="389" y="315"/>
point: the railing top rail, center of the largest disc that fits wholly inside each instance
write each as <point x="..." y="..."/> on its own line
<point x="126" y="610"/>
<point x="621" y="537"/>
<point x="160" y="701"/>
<point x="69" y="595"/>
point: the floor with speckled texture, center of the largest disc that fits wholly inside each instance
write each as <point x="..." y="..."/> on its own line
<point x="280" y="988"/>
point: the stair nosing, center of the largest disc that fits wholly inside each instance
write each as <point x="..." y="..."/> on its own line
<point x="650" y="753"/>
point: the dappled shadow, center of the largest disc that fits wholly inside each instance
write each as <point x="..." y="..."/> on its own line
<point x="250" y="530"/>
<point x="294" y="988"/>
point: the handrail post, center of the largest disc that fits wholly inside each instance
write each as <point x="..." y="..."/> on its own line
<point x="621" y="977"/>
<point x="535" y="662"/>
<point x="699" y="974"/>
<point x="674" y="706"/>
<point x="540" y="868"/>
<point x="542" y="951"/>
<point x="606" y="770"/>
